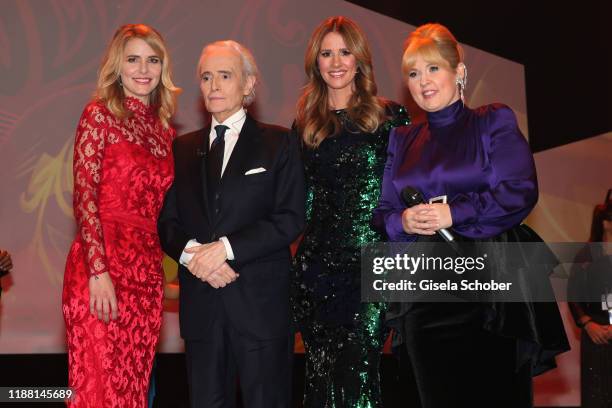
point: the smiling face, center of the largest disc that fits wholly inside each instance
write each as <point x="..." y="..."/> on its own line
<point x="432" y="85"/>
<point x="338" y="67"/>
<point x="222" y="82"/>
<point x="141" y="69"/>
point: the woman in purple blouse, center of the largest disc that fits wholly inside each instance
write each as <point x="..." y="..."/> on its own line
<point x="481" y="162"/>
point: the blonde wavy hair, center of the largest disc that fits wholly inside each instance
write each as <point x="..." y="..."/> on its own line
<point x="314" y="117"/>
<point x="435" y="43"/>
<point x="109" y="89"/>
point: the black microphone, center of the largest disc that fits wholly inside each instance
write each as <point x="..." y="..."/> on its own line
<point x="411" y="197"/>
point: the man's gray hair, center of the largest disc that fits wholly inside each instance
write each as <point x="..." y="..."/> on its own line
<point x="249" y="67"/>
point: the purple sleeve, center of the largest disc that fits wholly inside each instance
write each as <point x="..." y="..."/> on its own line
<point x="513" y="187"/>
<point x="388" y="214"/>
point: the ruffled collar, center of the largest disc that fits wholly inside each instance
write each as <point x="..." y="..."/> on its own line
<point x="138" y="107"/>
<point x="446" y="116"/>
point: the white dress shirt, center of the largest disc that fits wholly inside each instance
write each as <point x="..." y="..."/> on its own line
<point x="234" y="124"/>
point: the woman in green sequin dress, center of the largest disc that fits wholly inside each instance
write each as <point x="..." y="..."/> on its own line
<point x="344" y="128"/>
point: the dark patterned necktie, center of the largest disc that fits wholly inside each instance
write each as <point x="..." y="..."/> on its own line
<point x="215" y="160"/>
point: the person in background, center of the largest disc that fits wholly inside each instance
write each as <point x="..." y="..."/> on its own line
<point x="479" y="160"/>
<point x="591" y="279"/>
<point x="113" y="282"/>
<point x="344" y="128"/>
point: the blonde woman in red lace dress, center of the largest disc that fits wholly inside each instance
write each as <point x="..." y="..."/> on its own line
<point x="123" y="166"/>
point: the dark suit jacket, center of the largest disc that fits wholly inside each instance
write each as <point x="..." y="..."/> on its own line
<point x="260" y="214"/>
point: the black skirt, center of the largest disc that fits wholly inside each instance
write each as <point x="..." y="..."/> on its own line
<point x="481" y="354"/>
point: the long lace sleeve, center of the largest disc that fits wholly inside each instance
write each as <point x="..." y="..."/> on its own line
<point x="87" y="168"/>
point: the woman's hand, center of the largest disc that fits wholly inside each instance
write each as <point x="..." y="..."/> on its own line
<point x="102" y="299"/>
<point x="597" y="333"/>
<point x="426" y="219"/>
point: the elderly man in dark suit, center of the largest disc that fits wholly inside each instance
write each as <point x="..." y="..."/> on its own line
<point x="237" y="202"/>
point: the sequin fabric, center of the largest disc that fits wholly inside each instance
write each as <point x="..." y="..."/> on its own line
<point x="343" y="337"/>
<point x="122" y="170"/>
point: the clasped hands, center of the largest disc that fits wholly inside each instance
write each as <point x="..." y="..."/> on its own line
<point x="208" y="264"/>
<point x="426" y="219"/>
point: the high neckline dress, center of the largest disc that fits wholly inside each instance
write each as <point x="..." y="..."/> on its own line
<point x="122" y="170"/>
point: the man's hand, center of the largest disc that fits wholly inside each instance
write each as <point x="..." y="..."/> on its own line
<point x="206" y="259"/>
<point x="102" y="299"/>
<point x="222" y="276"/>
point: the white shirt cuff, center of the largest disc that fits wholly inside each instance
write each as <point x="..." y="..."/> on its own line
<point x="185" y="257"/>
<point x="228" y="248"/>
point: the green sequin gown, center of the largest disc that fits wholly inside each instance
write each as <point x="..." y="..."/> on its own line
<point x="343" y="337"/>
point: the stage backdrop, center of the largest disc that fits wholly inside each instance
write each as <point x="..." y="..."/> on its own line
<point x="49" y="54"/>
<point x="572" y="179"/>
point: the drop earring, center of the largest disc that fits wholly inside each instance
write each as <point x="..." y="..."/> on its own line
<point x="462" y="82"/>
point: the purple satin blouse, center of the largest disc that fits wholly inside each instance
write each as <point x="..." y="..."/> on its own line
<point x="478" y="158"/>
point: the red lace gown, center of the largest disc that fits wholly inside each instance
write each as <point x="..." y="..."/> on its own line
<point x="122" y="170"/>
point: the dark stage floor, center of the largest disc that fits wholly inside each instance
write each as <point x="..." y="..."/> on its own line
<point x="37" y="370"/>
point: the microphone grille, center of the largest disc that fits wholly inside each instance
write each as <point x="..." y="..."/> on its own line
<point x="411" y="196"/>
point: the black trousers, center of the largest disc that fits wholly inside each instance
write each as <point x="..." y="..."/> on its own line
<point x="596" y="373"/>
<point x="215" y="366"/>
